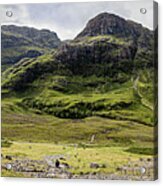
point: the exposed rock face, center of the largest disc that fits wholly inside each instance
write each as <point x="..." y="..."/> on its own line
<point x="108" y="46"/>
<point x="98" y="57"/>
<point x="24" y="42"/>
<point x="109" y="24"/>
<point x="15" y="36"/>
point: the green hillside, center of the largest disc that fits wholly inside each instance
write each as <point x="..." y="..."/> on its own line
<point x="24" y="42"/>
<point x="96" y="91"/>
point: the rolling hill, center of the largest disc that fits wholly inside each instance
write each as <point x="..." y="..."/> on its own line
<point x="98" y="62"/>
<point x="97" y="91"/>
<point x="24" y="42"/>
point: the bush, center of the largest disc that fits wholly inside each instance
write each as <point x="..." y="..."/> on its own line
<point x="145" y="151"/>
<point x="5" y="143"/>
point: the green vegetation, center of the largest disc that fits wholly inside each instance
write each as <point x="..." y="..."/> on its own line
<point x="64" y="110"/>
<point x="78" y="157"/>
<point x="104" y="38"/>
<point x="146" y="151"/>
<point x="78" y="97"/>
<point x="9" y="173"/>
<point x="5" y="143"/>
<point x="23" y="42"/>
<point x="91" y="99"/>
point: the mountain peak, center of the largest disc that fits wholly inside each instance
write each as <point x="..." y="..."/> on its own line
<point x="106" y="15"/>
<point x="108" y="24"/>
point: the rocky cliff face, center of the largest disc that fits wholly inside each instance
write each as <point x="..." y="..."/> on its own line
<point x="24" y="42"/>
<point x="110" y="24"/>
<point x="103" y="56"/>
<point x="31" y="36"/>
<point x="108" y="46"/>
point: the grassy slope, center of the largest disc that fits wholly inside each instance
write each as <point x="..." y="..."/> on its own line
<point x="120" y="124"/>
<point x="16" y="53"/>
<point x="115" y="117"/>
<point x="78" y="97"/>
<point x="58" y="111"/>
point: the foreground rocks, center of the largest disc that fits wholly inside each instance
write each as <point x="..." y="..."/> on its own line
<point x="46" y="168"/>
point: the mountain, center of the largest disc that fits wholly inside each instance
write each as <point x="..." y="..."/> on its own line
<point x="25" y="42"/>
<point x="109" y="64"/>
<point x="110" y="24"/>
<point x="107" y="46"/>
<point x="89" y="103"/>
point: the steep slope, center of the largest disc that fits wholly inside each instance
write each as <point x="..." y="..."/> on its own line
<point x="99" y="73"/>
<point x="22" y="42"/>
<point x="109" y="24"/>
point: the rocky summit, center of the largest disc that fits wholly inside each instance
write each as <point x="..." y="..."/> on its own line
<point x="108" y="46"/>
<point x="110" y="24"/>
<point x="81" y="108"/>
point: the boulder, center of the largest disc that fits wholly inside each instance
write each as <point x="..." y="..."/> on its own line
<point x="94" y="165"/>
<point x="8" y="157"/>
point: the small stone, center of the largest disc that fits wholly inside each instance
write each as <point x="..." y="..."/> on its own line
<point x="94" y="165"/>
<point x="149" y="159"/>
<point x="8" y="157"/>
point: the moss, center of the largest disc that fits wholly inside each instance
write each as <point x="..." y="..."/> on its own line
<point x="145" y="151"/>
<point x="5" y="143"/>
<point x="105" y="38"/>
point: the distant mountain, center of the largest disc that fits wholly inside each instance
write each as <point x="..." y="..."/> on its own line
<point x="42" y="38"/>
<point x="20" y="42"/>
<point x="108" y="46"/>
<point x="111" y="62"/>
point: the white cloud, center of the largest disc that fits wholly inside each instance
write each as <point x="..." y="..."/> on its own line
<point x="68" y="19"/>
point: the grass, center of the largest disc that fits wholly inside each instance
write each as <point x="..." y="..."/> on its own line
<point x="5" y="143"/>
<point x="90" y="100"/>
<point x="17" y="54"/>
<point x="63" y="97"/>
<point x="146" y="151"/>
<point x="26" y="71"/>
<point x="111" y="113"/>
<point x="78" y="158"/>
<point x="105" y="38"/>
<point x="9" y="173"/>
<point x="87" y="119"/>
<point x="54" y="130"/>
<point x="23" y="122"/>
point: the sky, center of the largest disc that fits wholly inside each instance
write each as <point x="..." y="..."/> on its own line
<point x="69" y="19"/>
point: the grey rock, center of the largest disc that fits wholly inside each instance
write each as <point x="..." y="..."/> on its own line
<point x="94" y="165"/>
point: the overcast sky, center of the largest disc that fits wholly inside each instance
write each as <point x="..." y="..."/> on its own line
<point x="68" y="19"/>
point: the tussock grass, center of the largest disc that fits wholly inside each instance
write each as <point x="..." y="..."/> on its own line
<point x="78" y="158"/>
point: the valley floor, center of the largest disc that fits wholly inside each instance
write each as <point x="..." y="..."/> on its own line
<point x="83" y="108"/>
<point x="110" y="137"/>
<point x="105" y="149"/>
<point x="38" y="160"/>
